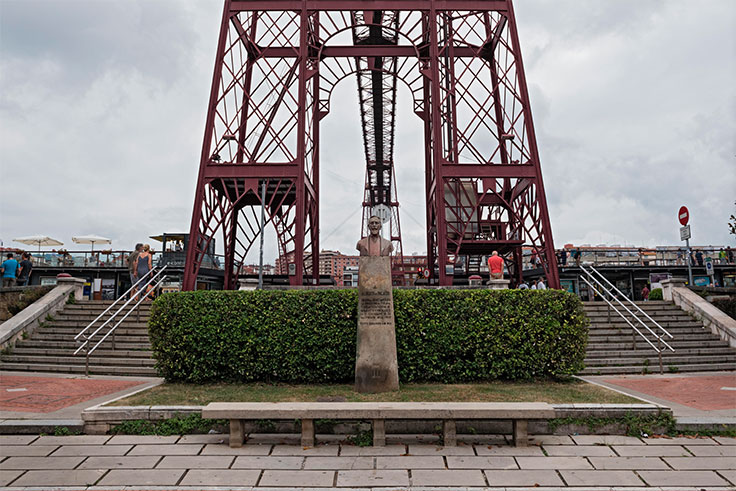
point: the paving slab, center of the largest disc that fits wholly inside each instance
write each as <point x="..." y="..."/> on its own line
<point x="533" y="451"/>
<point x="220" y="477"/>
<point x="680" y="441"/>
<point x="46" y="463"/>
<point x="320" y="450"/>
<point x="96" y="450"/>
<point x="349" y="450"/>
<point x="142" y="477"/>
<point x="550" y="440"/>
<point x="8" y="476"/>
<point x="71" y="440"/>
<point x="142" y="440"/>
<point x="214" y="439"/>
<point x="701" y="463"/>
<point x="730" y="475"/>
<point x="198" y="462"/>
<point x="255" y="462"/>
<point x="712" y="451"/>
<point x="16" y="439"/>
<point x="723" y="440"/>
<point x="579" y="450"/>
<point x="469" y="462"/>
<point x="411" y="462"/>
<point x="553" y="463"/>
<point x="682" y="478"/>
<point x="120" y="462"/>
<point x="630" y="463"/>
<point x="447" y="477"/>
<point x="600" y="478"/>
<point x="606" y="440"/>
<point x="338" y="463"/>
<point x="531" y="478"/>
<point x="219" y="449"/>
<point x="440" y="450"/>
<point x="26" y="450"/>
<point x="166" y="449"/>
<point x="377" y="478"/>
<point x="45" y="479"/>
<point x="651" y="451"/>
<point x="300" y="479"/>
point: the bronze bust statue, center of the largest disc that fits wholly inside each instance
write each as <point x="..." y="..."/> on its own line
<point x="374" y="244"/>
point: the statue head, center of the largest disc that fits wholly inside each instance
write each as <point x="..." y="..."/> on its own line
<point x="374" y="225"/>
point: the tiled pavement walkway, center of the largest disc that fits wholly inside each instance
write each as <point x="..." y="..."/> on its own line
<point x="207" y="462"/>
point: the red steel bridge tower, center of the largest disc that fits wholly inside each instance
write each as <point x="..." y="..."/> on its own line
<point x="277" y="64"/>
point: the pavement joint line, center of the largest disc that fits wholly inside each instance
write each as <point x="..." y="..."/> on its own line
<point x="719" y="473"/>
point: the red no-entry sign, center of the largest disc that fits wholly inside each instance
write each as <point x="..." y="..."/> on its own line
<point x="683" y="215"/>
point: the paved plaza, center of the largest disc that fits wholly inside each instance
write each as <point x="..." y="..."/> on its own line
<point x="207" y="462"/>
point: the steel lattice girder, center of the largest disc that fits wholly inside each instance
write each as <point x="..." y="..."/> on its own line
<point x="276" y="67"/>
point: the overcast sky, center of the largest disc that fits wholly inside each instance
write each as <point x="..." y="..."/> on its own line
<point x="102" y="110"/>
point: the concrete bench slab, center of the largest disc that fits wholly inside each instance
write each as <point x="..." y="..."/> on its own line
<point x="378" y="413"/>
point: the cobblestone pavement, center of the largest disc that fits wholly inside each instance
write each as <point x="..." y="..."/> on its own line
<point x="207" y="462"/>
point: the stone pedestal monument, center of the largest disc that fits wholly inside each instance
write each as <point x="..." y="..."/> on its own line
<point x="376" y="366"/>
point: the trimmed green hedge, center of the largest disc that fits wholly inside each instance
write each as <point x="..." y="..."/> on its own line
<point x="656" y="294"/>
<point x="302" y="336"/>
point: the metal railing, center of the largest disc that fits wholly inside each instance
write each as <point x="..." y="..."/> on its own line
<point x="591" y="278"/>
<point x="85" y="339"/>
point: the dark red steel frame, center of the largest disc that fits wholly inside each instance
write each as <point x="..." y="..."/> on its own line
<point x="277" y="63"/>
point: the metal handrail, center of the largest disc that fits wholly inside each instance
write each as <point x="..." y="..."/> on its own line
<point x="143" y="297"/>
<point x="110" y="307"/>
<point x="659" y="338"/>
<point x="87" y="338"/>
<point x="630" y="301"/>
<point x="620" y="314"/>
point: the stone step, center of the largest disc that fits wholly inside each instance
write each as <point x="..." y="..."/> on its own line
<point x="76" y="360"/>
<point x="99" y="352"/>
<point x="120" y="371"/>
<point x="603" y="318"/>
<point x="70" y="331"/>
<point x="628" y="353"/>
<point x="621" y="338"/>
<point x="88" y="309"/>
<point x="675" y="332"/>
<point x="82" y="324"/>
<point x="71" y="344"/>
<point x="704" y="367"/>
<point x="669" y="359"/>
<point x="123" y="339"/>
<point x="675" y="343"/>
<point x="667" y="324"/>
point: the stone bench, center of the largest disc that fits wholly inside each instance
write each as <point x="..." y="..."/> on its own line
<point x="378" y="412"/>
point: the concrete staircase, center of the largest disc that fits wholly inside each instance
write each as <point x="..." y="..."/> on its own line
<point x="51" y="347"/>
<point x="610" y="343"/>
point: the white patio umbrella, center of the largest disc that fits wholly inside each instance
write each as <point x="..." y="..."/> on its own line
<point x="91" y="239"/>
<point x="39" y="240"/>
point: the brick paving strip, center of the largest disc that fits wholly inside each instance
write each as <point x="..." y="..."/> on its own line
<point x="702" y="393"/>
<point x="191" y="462"/>
<point x="45" y="394"/>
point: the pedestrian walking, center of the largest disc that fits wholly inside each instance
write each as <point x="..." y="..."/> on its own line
<point x="541" y="285"/>
<point x="144" y="264"/>
<point x="729" y="254"/>
<point x="132" y="262"/>
<point x="523" y="286"/>
<point x="722" y="256"/>
<point x="645" y="293"/>
<point x="26" y="266"/>
<point x="9" y="269"/>
<point x="699" y="257"/>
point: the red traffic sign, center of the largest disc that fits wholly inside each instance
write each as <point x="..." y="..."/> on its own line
<point x="683" y="215"/>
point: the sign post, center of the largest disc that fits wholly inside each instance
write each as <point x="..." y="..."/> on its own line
<point x="709" y="269"/>
<point x="684" y="216"/>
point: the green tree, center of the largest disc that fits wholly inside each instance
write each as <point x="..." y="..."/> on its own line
<point x="732" y="223"/>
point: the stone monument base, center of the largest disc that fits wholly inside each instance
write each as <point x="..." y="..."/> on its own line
<point x="498" y="284"/>
<point x="376" y="365"/>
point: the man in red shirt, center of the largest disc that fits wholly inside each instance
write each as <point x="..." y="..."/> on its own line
<point x="495" y="265"/>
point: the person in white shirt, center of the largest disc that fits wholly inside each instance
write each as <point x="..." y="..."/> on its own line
<point x="541" y="285"/>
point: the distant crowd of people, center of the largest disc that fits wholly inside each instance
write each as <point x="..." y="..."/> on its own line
<point x="16" y="273"/>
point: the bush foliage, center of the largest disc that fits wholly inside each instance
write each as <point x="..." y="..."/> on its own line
<point x="656" y="294"/>
<point x="726" y="305"/>
<point x="302" y="336"/>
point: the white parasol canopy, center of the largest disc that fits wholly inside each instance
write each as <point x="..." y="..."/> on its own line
<point x="39" y="240"/>
<point x="91" y="239"/>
